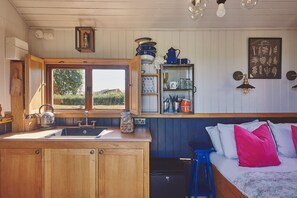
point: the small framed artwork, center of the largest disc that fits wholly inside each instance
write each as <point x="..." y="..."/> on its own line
<point x="85" y="39"/>
<point x="265" y="58"/>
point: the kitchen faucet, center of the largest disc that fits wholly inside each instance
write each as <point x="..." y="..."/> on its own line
<point x="93" y="125"/>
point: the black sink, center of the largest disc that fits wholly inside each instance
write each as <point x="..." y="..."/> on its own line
<point x="87" y="132"/>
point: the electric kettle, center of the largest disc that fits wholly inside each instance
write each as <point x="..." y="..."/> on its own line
<point x="47" y="119"/>
<point x="172" y="56"/>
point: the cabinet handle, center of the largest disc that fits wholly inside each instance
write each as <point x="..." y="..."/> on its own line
<point x="195" y="89"/>
<point x="101" y="152"/>
<point x="37" y="151"/>
<point x="92" y="152"/>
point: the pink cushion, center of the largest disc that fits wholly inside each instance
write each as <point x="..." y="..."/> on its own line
<point x="294" y="136"/>
<point x="256" y="148"/>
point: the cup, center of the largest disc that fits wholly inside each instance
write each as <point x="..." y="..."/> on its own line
<point x="173" y="85"/>
<point x="184" y="61"/>
<point x="186" y="106"/>
<point x="178" y="61"/>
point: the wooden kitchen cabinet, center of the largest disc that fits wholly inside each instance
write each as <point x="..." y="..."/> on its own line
<point x="34" y="84"/>
<point x="134" y="86"/>
<point x="32" y="91"/>
<point x="70" y="173"/>
<point x="20" y="173"/>
<point x="121" y="173"/>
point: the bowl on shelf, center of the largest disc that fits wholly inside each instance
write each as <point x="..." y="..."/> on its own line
<point x="145" y="47"/>
<point x="148" y="43"/>
<point x="147" y="59"/>
<point x="145" y="52"/>
<point x="142" y="40"/>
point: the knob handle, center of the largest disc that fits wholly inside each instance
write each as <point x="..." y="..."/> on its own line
<point x="101" y="152"/>
<point x="92" y="152"/>
<point x="37" y="151"/>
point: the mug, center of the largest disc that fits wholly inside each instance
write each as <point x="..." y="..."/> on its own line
<point x="184" y="61"/>
<point x="173" y="85"/>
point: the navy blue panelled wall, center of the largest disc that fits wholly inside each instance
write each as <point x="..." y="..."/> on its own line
<point x="171" y="136"/>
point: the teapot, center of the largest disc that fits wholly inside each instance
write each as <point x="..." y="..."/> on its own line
<point x="172" y="57"/>
<point x="47" y="118"/>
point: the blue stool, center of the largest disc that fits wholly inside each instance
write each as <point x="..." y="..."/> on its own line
<point x="201" y="156"/>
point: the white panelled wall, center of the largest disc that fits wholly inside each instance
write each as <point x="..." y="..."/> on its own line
<point x="11" y="25"/>
<point x="216" y="54"/>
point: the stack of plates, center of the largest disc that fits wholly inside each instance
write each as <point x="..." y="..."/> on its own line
<point x="146" y="49"/>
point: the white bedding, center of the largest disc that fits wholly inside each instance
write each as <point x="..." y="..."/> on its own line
<point x="232" y="172"/>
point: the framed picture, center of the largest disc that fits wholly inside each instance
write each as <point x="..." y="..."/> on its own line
<point x="85" y="39"/>
<point x="265" y="58"/>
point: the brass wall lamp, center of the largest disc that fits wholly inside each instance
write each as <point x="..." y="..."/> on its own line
<point x="292" y="75"/>
<point x="245" y="86"/>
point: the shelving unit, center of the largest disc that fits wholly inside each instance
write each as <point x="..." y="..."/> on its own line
<point x="150" y="93"/>
<point x="179" y="85"/>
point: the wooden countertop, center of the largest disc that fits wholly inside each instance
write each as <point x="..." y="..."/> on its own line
<point x="37" y="138"/>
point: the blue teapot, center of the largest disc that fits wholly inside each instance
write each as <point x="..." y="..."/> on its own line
<point x="171" y="56"/>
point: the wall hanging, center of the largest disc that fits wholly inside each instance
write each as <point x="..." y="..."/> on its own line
<point x="85" y="39"/>
<point x="265" y="58"/>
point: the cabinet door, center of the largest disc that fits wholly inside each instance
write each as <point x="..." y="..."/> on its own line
<point x="121" y="173"/>
<point x="34" y="84"/>
<point x="20" y="173"/>
<point x="70" y="173"/>
<point x="135" y="77"/>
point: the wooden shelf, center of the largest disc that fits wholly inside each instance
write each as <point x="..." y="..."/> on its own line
<point x="149" y="94"/>
<point x="156" y="75"/>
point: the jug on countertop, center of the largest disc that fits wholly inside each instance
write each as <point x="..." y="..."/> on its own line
<point x="47" y="118"/>
<point x="172" y="56"/>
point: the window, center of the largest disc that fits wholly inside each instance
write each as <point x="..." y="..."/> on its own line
<point x="88" y="87"/>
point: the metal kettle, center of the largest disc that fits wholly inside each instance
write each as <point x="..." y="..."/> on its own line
<point x="47" y="119"/>
<point x="172" y="55"/>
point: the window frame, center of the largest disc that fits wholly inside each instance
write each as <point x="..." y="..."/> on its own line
<point x="88" y="88"/>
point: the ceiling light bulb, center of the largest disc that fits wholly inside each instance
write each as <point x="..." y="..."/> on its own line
<point x="221" y="10"/>
<point x="197" y="16"/>
<point x="201" y="3"/>
<point x="248" y="4"/>
<point x="195" y="5"/>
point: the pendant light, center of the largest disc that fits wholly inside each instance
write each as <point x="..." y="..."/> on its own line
<point x="221" y="8"/>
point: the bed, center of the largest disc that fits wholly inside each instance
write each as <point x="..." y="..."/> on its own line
<point x="233" y="181"/>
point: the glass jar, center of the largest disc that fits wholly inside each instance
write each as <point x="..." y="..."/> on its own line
<point x="127" y="122"/>
<point x="188" y="83"/>
<point x="182" y="83"/>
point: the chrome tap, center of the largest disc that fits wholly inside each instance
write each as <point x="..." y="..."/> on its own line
<point x="93" y="125"/>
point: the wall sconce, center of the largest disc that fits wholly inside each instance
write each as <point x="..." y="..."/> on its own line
<point x="85" y="39"/>
<point x="292" y="75"/>
<point x="245" y="86"/>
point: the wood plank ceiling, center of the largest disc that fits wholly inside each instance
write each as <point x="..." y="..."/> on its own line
<point x="153" y="14"/>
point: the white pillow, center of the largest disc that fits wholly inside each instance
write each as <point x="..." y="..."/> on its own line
<point x="283" y="136"/>
<point x="228" y="139"/>
<point x="214" y="135"/>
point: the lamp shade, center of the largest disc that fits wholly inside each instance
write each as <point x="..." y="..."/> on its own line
<point x="245" y="86"/>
